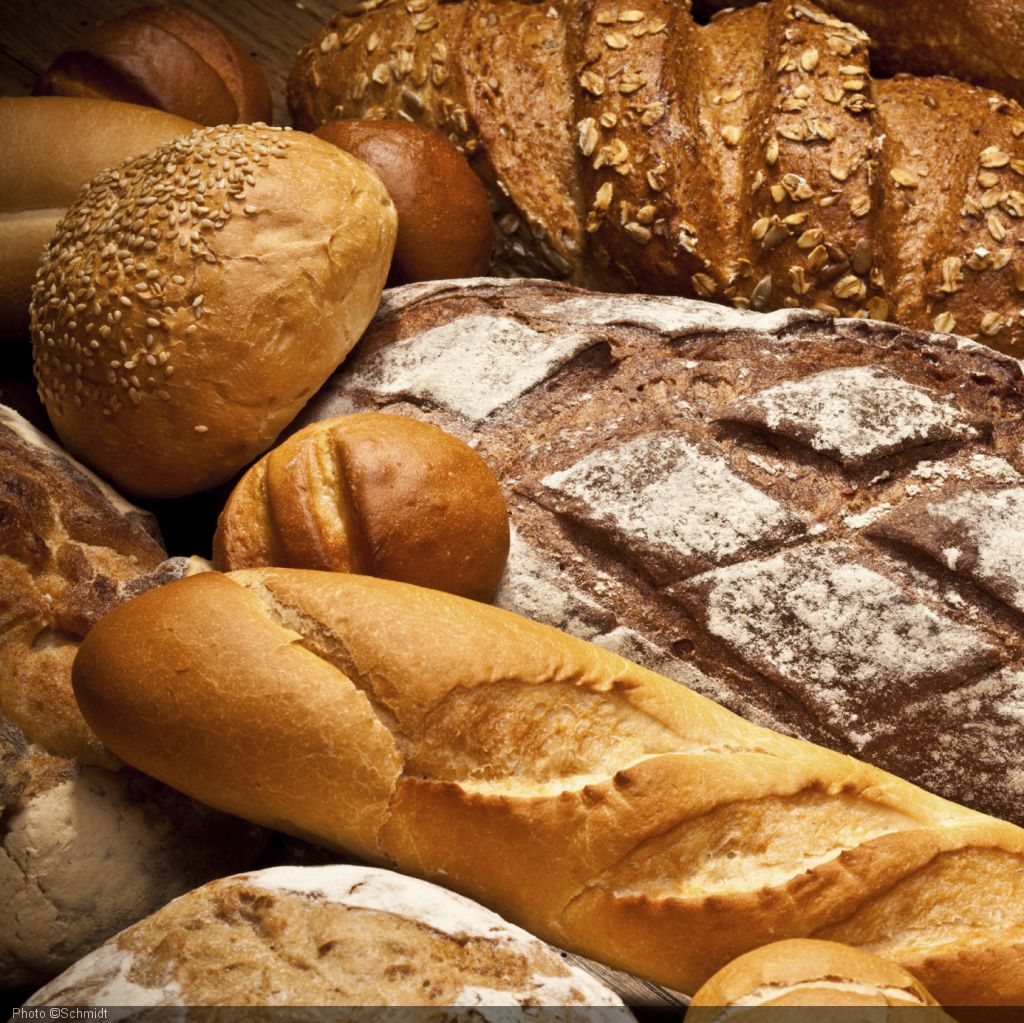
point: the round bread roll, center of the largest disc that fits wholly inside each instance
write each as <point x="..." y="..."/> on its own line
<point x="444" y="220"/>
<point x="331" y="935"/>
<point x="38" y="179"/>
<point x="164" y="57"/>
<point x="374" y="494"/>
<point x="192" y="300"/>
<point x="86" y="845"/>
<point x="803" y="972"/>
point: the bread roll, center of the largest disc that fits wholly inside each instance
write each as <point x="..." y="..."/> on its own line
<point x="164" y="57"/>
<point x="766" y="508"/>
<point x="602" y="807"/>
<point x="193" y="299"/>
<point x="376" y="494"/>
<point x="804" y="973"/>
<point x="52" y="147"/>
<point x="327" y="936"/>
<point x="88" y="846"/>
<point x="444" y="222"/>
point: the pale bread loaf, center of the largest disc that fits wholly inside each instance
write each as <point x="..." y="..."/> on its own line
<point x="606" y="809"/>
<point x="328" y="936"/>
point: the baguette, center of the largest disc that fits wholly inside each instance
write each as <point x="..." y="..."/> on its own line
<point x="751" y="161"/>
<point x="602" y="807"/>
<point x="52" y="147"/>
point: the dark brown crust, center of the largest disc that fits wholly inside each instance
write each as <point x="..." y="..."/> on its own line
<point x="164" y="57"/>
<point x="752" y="160"/>
<point x="629" y="381"/>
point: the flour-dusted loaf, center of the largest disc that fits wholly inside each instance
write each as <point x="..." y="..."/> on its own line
<point x="85" y="848"/>
<point x="604" y="808"/>
<point x="329" y="936"/>
<point x="819" y="524"/>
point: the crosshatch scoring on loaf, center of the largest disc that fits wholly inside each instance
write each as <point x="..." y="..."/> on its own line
<point x="814" y="522"/>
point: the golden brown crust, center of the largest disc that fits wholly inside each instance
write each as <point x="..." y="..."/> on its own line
<point x="793" y="179"/>
<point x="376" y="494"/>
<point x="173" y="344"/>
<point x="164" y="57"/>
<point x="658" y="832"/>
<point x="807" y="972"/>
<point x="38" y="179"/>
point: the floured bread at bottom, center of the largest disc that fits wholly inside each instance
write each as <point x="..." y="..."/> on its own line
<point x="329" y="936"/>
<point x="87" y="846"/>
<point x="818" y="523"/>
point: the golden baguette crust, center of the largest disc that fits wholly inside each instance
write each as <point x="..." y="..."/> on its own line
<point x="807" y="972"/>
<point x="751" y="161"/>
<point x="375" y="494"/>
<point x="597" y="804"/>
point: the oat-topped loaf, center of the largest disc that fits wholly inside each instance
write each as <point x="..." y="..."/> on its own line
<point x="85" y="848"/>
<point x="331" y="935"/>
<point x="817" y="523"/>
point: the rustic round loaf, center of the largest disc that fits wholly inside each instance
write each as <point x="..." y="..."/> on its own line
<point x="802" y="972"/>
<point x="818" y="523"/>
<point x="85" y="848"/>
<point x="375" y="494"/>
<point x="193" y="299"/>
<point x="444" y="222"/>
<point x="331" y="935"/>
<point x="164" y="57"/>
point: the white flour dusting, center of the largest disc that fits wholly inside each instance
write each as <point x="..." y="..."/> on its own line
<point x="855" y="414"/>
<point x="674" y="498"/>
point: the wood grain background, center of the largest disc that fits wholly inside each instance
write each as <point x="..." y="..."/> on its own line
<point x="273" y="31"/>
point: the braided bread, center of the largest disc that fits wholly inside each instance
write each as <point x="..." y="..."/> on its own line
<point x="752" y="161"/>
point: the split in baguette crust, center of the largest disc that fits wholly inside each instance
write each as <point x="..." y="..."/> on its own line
<point x="597" y="804"/>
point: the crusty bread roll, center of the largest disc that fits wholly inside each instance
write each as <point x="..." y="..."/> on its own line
<point x="87" y="848"/>
<point x="193" y="299"/>
<point x="804" y="973"/>
<point x="52" y="147"/>
<point x="331" y="935"/>
<point x="164" y="57"/>
<point x="444" y="223"/>
<point x="606" y="809"/>
<point x="375" y="494"/>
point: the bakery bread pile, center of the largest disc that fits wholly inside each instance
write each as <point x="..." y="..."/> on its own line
<point x="688" y="638"/>
<point x="753" y="161"/>
<point x="815" y="523"/>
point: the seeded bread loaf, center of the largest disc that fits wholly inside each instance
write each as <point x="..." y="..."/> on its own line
<point x="87" y="846"/>
<point x="602" y="807"/>
<point x="328" y="936"/>
<point x="978" y="41"/>
<point x="752" y="161"/>
<point x="818" y="524"/>
<point x="193" y="298"/>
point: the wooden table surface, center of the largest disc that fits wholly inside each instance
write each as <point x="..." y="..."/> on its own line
<point x="273" y="31"/>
